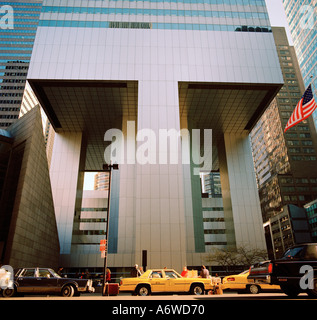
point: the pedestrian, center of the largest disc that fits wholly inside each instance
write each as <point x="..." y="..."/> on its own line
<point x="184" y="273"/>
<point x="141" y="270"/>
<point x="204" y="272"/>
<point x="108" y="275"/>
<point x="87" y="275"/>
<point x="135" y="271"/>
<point x="59" y="272"/>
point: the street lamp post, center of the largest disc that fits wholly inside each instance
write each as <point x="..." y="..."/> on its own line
<point x="107" y="167"/>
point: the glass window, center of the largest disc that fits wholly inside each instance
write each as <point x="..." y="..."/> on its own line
<point x="28" y="273"/>
<point x="156" y="274"/>
<point x="44" y="273"/>
<point x="223" y="12"/>
<point x="171" y="274"/>
<point x="293" y="253"/>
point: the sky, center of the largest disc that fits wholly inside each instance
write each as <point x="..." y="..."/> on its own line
<point x="277" y="18"/>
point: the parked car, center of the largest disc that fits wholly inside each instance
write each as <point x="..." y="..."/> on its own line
<point x="287" y="271"/>
<point x="164" y="280"/>
<point x="242" y="284"/>
<point x="46" y="281"/>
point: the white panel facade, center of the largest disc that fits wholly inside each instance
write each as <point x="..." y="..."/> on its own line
<point x="246" y="210"/>
<point x="156" y="215"/>
<point x="148" y="55"/>
<point x="64" y="179"/>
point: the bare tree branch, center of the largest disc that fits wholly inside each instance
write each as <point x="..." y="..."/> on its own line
<point x="240" y="256"/>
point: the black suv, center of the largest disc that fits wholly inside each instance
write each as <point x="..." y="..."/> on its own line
<point x="295" y="272"/>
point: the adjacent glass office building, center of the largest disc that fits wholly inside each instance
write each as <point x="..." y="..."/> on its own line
<point x="311" y="210"/>
<point x="302" y="19"/>
<point x="285" y="162"/>
<point x="147" y="67"/>
<point x="19" y="20"/>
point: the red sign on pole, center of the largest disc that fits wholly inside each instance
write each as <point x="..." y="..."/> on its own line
<point x="103" y="244"/>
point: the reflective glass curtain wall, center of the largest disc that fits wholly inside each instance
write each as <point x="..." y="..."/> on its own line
<point x="302" y="19"/>
<point x="19" y="21"/>
<point x="218" y="15"/>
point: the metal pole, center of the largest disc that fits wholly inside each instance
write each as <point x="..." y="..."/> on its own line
<point x="312" y="78"/>
<point x="107" y="237"/>
<point x="312" y="83"/>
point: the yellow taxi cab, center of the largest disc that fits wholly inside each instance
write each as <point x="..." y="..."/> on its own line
<point x="164" y="280"/>
<point x="241" y="283"/>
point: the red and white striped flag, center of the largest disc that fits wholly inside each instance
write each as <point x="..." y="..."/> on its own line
<point x="305" y="107"/>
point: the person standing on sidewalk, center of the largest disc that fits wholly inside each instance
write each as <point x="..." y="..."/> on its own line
<point x="135" y="271"/>
<point x="204" y="272"/>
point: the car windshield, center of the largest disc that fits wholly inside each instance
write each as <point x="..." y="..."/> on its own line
<point x="293" y="253"/>
<point x="171" y="274"/>
<point x="56" y="275"/>
<point x="156" y="274"/>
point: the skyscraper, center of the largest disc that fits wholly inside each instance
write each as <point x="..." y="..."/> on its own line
<point x="211" y="184"/>
<point x="17" y="33"/>
<point x="302" y="19"/>
<point x="28" y="229"/>
<point x="150" y="72"/>
<point x="285" y="163"/>
<point x="101" y="181"/>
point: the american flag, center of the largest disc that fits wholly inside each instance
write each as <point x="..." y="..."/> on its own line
<point x="305" y="107"/>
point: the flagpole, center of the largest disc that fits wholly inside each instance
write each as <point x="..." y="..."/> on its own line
<point x="312" y="78"/>
<point x="312" y="83"/>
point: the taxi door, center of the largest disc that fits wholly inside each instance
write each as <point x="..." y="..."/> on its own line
<point x="174" y="282"/>
<point x="157" y="281"/>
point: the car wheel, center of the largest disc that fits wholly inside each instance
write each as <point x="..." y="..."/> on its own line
<point x="68" y="291"/>
<point x="254" y="289"/>
<point x="143" y="290"/>
<point x="197" y="289"/>
<point x="291" y="291"/>
<point x="8" y="293"/>
<point x="313" y="292"/>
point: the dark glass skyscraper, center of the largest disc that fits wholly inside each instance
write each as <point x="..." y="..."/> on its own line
<point x="302" y="19"/>
<point x="285" y="163"/>
<point x="17" y="33"/>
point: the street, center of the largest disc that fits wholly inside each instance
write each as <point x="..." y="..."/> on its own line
<point x="172" y="297"/>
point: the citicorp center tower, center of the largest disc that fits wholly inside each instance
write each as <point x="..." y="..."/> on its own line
<point x="147" y="70"/>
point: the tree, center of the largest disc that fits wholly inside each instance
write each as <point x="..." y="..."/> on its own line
<point x="240" y="256"/>
<point x="251" y="256"/>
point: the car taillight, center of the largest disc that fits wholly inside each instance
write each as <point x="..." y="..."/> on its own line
<point x="270" y="268"/>
<point x="231" y="279"/>
<point x="120" y="282"/>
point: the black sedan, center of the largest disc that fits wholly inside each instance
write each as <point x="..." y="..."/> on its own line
<point x="46" y="281"/>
